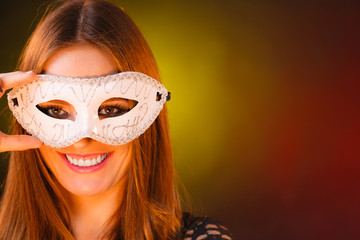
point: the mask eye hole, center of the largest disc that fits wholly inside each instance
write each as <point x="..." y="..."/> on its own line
<point x="115" y="107"/>
<point x="58" y="109"/>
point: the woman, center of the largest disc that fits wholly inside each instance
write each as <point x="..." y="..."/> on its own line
<point x="58" y="190"/>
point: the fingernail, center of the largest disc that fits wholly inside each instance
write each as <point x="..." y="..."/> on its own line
<point x="30" y="71"/>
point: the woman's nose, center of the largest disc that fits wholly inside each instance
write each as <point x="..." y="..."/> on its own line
<point x="82" y="143"/>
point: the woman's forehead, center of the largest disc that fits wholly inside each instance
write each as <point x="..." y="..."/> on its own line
<point x="83" y="61"/>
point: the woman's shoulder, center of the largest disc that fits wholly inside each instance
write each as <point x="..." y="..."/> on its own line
<point x="204" y="228"/>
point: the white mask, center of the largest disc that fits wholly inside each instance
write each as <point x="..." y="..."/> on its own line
<point x="86" y="95"/>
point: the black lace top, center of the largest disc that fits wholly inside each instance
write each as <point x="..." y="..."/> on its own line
<point x="201" y="228"/>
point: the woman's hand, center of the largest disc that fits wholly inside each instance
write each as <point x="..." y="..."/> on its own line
<point x="16" y="142"/>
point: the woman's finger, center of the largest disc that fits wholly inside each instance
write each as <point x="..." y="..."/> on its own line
<point x="18" y="142"/>
<point x="12" y="79"/>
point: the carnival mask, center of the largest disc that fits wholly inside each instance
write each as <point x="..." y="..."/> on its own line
<point x="86" y="95"/>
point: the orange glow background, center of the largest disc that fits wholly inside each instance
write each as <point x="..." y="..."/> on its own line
<point x="264" y="112"/>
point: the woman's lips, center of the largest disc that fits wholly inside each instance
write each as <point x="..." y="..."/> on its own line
<point x="85" y="162"/>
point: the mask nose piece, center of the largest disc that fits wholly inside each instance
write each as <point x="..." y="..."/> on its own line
<point x="87" y="126"/>
<point x="92" y="128"/>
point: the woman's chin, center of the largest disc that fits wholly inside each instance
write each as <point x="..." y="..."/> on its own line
<point x="85" y="187"/>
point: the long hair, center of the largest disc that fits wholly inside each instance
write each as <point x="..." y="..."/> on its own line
<point x="32" y="206"/>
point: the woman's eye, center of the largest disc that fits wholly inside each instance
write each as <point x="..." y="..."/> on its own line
<point x="111" y="111"/>
<point x="54" y="111"/>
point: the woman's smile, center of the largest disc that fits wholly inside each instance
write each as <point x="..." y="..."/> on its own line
<point x="87" y="160"/>
<point x="86" y="163"/>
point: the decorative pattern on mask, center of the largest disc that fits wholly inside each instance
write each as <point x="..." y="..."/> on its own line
<point x="85" y="95"/>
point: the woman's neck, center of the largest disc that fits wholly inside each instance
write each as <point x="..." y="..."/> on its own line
<point x="91" y="214"/>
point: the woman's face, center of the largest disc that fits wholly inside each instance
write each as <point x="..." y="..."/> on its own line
<point x="105" y="165"/>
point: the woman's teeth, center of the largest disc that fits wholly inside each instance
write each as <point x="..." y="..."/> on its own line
<point x="86" y="162"/>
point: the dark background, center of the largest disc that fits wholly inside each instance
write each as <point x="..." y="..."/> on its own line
<point x="265" y="108"/>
